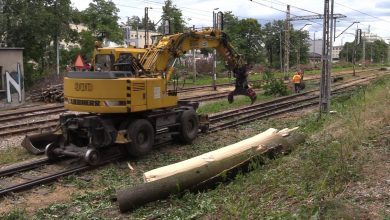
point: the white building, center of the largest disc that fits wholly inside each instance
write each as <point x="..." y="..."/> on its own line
<point x="315" y="50"/>
<point x="79" y="28"/>
<point x="336" y="52"/>
<point x="315" y="46"/>
<point x="136" y="38"/>
<point x="370" y="37"/>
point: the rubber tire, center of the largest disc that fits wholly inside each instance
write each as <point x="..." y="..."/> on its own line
<point x="140" y="145"/>
<point x="189" y="126"/>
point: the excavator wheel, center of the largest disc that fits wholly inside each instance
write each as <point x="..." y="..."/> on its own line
<point x="189" y="126"/>
<point x="141" y="134"/>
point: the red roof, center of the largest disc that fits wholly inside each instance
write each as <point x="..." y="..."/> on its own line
<point x="79" y="62"/>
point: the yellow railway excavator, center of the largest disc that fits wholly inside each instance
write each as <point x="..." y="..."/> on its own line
<point x="135" y="108"/>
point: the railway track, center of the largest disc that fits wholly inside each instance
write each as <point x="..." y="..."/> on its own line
<point x="233" y="118"/>
<point x="40" y="125"/>
<point x="48" y="124"/>
<point x="218" y="121"/>
<point x="28" y="113"/>
<point x="47" y="176"/>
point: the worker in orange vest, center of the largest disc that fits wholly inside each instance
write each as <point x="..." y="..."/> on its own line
<point x="297" y="81"/>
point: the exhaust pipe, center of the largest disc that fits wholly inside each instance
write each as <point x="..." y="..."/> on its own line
<point x="37" y="143"/>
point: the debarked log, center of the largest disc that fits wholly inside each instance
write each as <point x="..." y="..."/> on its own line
<point x="188" y="174"/>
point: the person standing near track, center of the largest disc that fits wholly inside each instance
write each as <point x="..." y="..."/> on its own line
<point x="297" y="81"/>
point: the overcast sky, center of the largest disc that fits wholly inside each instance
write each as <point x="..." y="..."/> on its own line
<point x="373" y="14"/>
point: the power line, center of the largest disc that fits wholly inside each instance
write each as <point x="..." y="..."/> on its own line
<point x="284" y="4"/>
<point x="363" y="13"/>
<point x="268" y="6"/>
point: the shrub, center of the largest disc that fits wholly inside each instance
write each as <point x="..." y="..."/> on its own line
<point x="274" y="86"/>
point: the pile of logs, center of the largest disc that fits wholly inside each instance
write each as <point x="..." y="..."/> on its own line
<point x="51" y="94"/>
<point x="207" y="169"/>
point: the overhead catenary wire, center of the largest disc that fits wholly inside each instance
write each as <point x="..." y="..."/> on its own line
<point x="256" y="2"/>
<point x="362" y="12"/>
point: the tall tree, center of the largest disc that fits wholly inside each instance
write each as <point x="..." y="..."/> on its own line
<point x="299" y="46"/>
<point x="246" y="36"/>
<point x="172" y="14"/>
<point x="273" y="39"/>
<point x="135" y="22"/>
<point x="376" y="50"/>
<point x="59" y="22"/>
<point x="101" y="17"/>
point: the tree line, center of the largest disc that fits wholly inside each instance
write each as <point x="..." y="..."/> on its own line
<point x="37" y="25"/>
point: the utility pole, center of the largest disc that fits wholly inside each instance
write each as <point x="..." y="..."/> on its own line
<point x="388" y="52"/>
<point x="314" y="49"/>
<point x="146" y="26"/>
<point x="280" y="51"/>
<point x="287" y="44"/>
<point x="364" y="50"/>
<point x="194" y="61"/>
<point x="358" y="35"/>
<point x="215" y="26"/>
<point x="326" y="57"/>
<point x="56" y="42"/>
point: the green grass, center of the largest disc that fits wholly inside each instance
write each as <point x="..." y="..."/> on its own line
<point x="301" y="185"/>
<point x="223" y="105"/>
<point x="14" y="155"/>
<point x="207" y="79"/>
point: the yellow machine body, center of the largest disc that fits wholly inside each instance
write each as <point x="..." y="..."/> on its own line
<point x="147" y="88"/>
<point x="129" y="102"/>
<point x="120" y="95"/>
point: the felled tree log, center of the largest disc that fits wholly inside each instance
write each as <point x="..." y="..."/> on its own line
<point x="192" y="173"/>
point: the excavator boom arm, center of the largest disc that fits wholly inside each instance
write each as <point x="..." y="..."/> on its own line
<point x="159" y="59"/>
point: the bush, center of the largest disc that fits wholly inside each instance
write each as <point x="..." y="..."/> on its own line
<point x="31" y="75"/>
<point x="274" y="86"/>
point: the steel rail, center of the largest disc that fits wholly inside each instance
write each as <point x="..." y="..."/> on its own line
<point x="52" y="177"/>
<point x="272" y="110"/>
<point x="13" y="126"/>
<point x="9" y="113"/>
<point x="11" y="170"/>
<point x="28" y="129"/>
<point x="37" y="113"/>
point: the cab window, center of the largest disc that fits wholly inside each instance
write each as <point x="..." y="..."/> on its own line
<point x="104" y="62"/>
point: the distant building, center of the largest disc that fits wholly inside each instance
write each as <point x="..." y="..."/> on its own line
<point x="136" y="38"/>
<point x="336" y="52"/>
<point x="68" y="45"/>
<point x="370" y="37"/>
<point x="315" y="51"/>
<point x="315" y="46"/>
<point x="11" y="77"/>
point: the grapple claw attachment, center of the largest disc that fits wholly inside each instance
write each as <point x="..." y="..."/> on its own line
<point x="247" y="92"/>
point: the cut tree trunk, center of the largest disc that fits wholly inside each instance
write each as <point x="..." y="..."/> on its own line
<point x="208" y="167"/>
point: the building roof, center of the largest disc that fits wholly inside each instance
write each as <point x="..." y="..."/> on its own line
<point x="314" y="55"/>
<point x="11" y="48"/>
